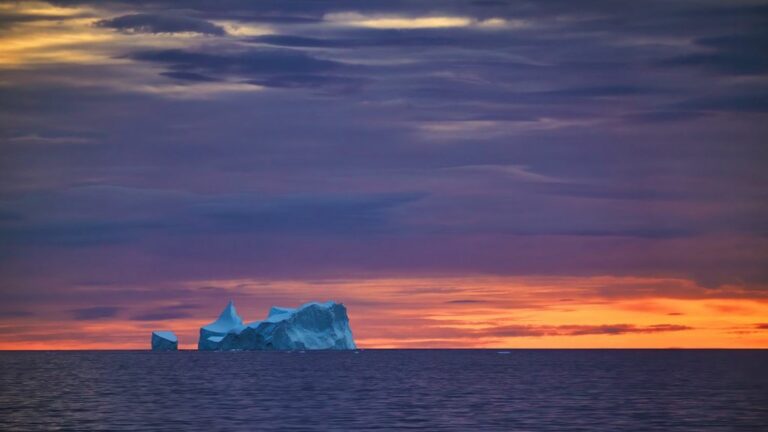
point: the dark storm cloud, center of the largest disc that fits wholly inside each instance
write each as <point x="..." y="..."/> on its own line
<point x="152" y="23"/>
<point x="95" y="313"/>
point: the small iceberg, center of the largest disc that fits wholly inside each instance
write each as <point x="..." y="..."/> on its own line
<point x="164" y="341"/>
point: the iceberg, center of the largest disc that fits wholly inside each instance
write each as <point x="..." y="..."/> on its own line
<point x="313" y="326"/>
<point x="164" y="341"/>
<point x="212" y="334"/>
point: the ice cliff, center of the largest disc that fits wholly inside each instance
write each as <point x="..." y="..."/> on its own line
<point x="164" y="341"/>
<point x="313" y="326"/>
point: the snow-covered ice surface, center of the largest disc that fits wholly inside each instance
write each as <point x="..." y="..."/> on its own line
<point x="164" y="341"/>
<point x="313" y="326"/>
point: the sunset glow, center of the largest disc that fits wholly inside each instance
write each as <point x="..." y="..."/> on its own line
<point x="481" y="312"/>
<point x="475" y="176"/>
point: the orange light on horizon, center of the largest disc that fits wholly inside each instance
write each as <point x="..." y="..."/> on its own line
<point x="482" y="312"/>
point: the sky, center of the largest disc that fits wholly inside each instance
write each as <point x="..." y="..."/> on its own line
<point x="466" y="174"/>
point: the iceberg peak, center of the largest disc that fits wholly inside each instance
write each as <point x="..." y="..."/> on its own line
<point x="227" y="322"/>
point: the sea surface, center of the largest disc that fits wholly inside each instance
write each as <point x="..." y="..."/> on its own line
<point x="436" y="390"/>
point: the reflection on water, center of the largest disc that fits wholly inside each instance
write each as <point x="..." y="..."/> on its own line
<point x="543" y="390"/>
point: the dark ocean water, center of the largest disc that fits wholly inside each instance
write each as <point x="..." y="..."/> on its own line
<point x="462" y="390"/>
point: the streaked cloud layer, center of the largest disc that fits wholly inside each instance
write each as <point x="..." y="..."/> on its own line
<point x="421" y="312"/>
<point x="558" y="174"/>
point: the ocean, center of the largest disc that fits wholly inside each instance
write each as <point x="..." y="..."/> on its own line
<point x="435" y="390"/>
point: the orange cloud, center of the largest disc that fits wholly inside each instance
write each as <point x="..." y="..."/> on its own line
<point x="481" y="312"/>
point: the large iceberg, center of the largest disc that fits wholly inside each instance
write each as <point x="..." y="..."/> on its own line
<point x="164" y="341"/>
<point x="313" y="326"/>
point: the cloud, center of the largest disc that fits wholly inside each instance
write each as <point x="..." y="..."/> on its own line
<point x="160" y="315"/>
<point x="373" y="38"/>
<point x="566" y="147"/>
<point x="612" y="191"/>
<point x="40" y="10"/>
<point x="396" y="22"/>
<point x="154" y="23"/>
<point x="464" y="301"/>
<point x="78" y="233"/>
<point x="755" y="102"/>
<point x="617" y="329"/>
<point x="736" y="63"/>
<point x="263" y="67"/>
<point x="734" y="54"/>
<point x="578" y="330"/>
<point x="339" y="215"/>
<point x="663" y="115"/>
<point x="188" y="76"/>
<point x="306" y="42"/>
<point x="165" y="313"/>
<point x="246" y="62"/>
<point x="65" y="41"/>
<point x="339" y="84"/>
<point x="34" y="139"/>
<point x="94" y="313"/>
<point x="5" y="314"/>
<point x="515" y="171"/>
<point x="356" y="19"/>
<point x="91" y="216"/>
